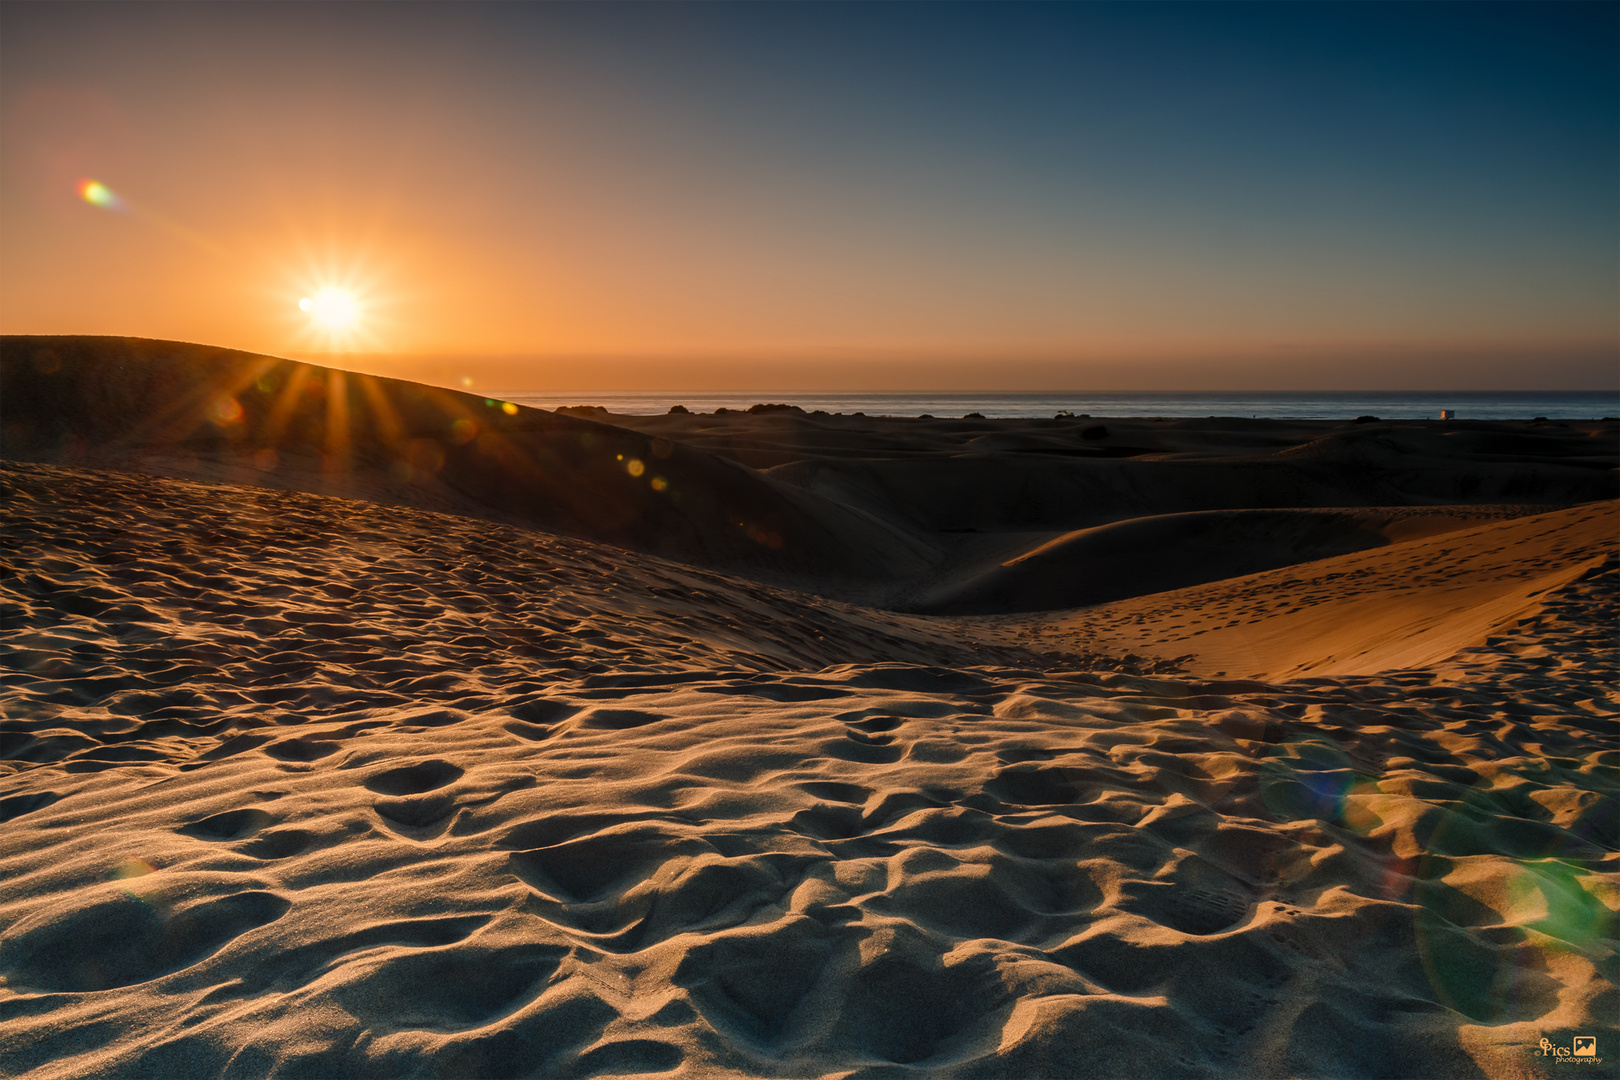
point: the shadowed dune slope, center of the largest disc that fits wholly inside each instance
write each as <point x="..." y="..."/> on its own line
<point x="1023" y="492"/>
<point x="218" y="414"/>
<point x="987" y="475"/>
<point x="1168" y="551"/>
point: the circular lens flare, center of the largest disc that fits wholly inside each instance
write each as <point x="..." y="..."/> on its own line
<point x="96" y="193"/>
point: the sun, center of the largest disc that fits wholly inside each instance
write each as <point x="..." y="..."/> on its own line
<point x="330" y="304"/>
<point x="332" y="309"/>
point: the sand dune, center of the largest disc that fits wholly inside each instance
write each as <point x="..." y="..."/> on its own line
<point x="218" y="414"/>
<point x="1412" y="604"/>
<point x="343" y="784"/>
<point x="1161" y="552"/>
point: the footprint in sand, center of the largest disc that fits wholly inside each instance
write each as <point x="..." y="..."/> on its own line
<point x="18" y="805"/>
<point x="608" y="885"/>
<point x="414" y="816"/>
<point x="538" y="720"/>
<point x="529" y="732"/>
<point x="1033" y="785"/>
<point x="867" y="741"/>
<point x="1207" y="911"/>
<point x="109" y="937"/>
<point x="751" y="984"/>
<point x="619" y="719"/>
<point x="834" y="791"/>
<point x="231" y="825"/>
<point x="439" y="990"/>
<point x="1200" y="900"/>
<point x="414" y="779"/>
<point x="279" y="844"/>
<point x="413" y="812"/>
<point x="302" y="749"/>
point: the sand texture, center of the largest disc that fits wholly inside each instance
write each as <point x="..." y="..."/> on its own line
<point x="325" y="754"/>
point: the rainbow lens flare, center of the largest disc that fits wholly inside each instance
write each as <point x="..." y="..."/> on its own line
<point x="96" y="193"/>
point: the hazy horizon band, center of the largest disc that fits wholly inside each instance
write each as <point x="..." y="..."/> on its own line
<point x="1388" y="405"/>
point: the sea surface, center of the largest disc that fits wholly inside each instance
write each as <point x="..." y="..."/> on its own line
<point x="1386" y="405"/>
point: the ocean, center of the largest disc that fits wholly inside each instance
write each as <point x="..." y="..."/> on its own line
<point x="1386" y="405"/>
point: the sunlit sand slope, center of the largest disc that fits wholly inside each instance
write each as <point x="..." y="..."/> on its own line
<point x="297" y="786"/>
<point x="1408" y="605"/>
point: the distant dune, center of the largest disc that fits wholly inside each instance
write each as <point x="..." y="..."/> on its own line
<point x="353" y="727"/>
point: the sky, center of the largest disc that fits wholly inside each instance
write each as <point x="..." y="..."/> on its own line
<point x="828" y="196"/>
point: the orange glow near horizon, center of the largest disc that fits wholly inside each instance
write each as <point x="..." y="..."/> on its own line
<point x="330" y="305"/>
<point x="455" y="210"/>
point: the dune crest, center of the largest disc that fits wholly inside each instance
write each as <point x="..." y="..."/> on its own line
<point x="220" y="414"/>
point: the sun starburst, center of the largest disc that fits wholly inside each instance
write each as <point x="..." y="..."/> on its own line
<point x="333" y="309"/>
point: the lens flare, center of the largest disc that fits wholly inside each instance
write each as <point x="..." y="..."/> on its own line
<point x="131" y="868"/>
<point x="1307" y="778"/>
<point x="96" y="193"/>
<point x="225" y="410"/>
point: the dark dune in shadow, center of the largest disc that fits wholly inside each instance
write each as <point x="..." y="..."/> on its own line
<point x="220" y="414"/>
<point x="1161" y="552"/>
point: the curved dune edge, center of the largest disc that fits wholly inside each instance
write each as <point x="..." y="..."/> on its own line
<point x="1163" y="552"/>
<point x="297" y="785"/>
<point x="1409" y="605"/>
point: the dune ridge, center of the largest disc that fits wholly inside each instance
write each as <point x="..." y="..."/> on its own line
<point x="393" y="780"/>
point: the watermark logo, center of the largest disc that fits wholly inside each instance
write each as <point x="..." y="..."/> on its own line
<point x="1580" y="1050"/>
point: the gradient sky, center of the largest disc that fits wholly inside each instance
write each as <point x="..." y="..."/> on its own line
<point x="831" y="196"/>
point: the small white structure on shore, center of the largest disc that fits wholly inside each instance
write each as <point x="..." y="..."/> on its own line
<point x="1448" y="414"/>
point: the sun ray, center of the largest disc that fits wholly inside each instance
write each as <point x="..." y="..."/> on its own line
<point x="335" y="452"/>
<point x="275" y="425"/>
<point x="389" y="425"/>
<point x="191" y="410"/>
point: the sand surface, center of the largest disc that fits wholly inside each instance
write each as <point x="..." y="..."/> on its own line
<point x="376" y="761"/>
